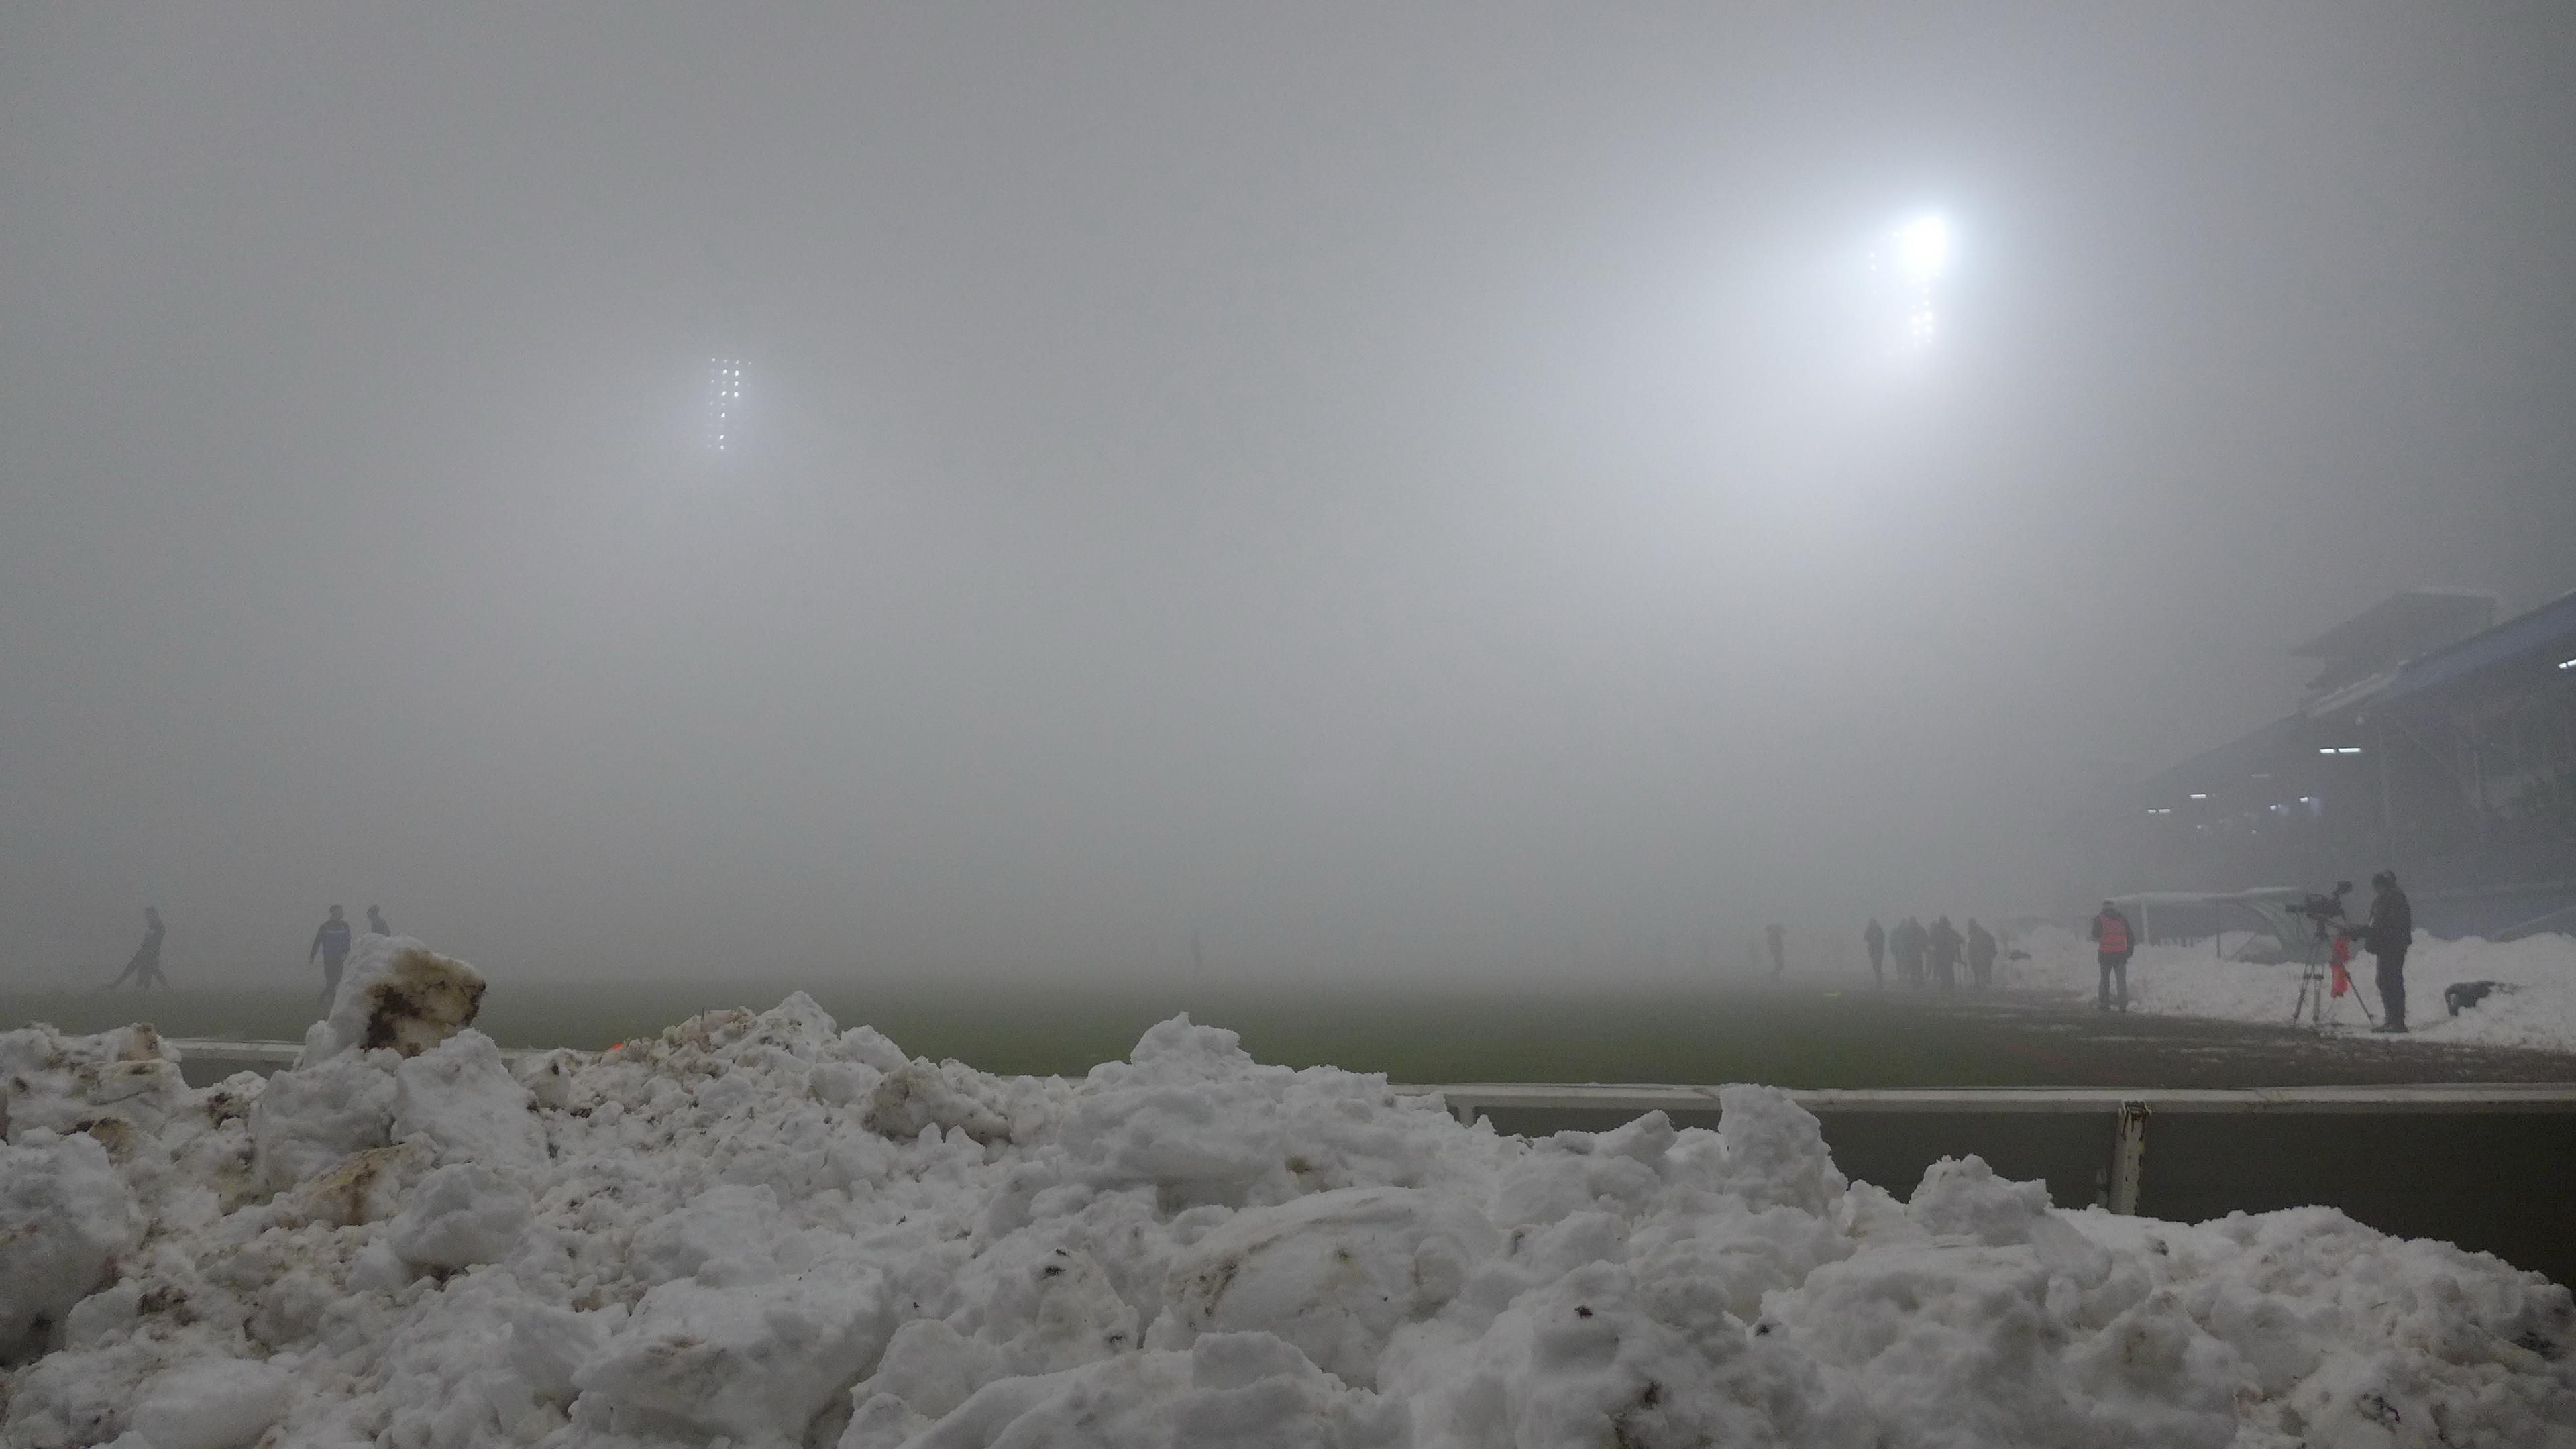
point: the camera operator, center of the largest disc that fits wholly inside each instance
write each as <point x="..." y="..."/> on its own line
<point x="2390" y="932"/>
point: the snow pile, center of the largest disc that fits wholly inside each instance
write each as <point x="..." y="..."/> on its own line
<point x="762" y="1230"/>
<point x="396" y="993"/>
<point x="2534" y="1004"/>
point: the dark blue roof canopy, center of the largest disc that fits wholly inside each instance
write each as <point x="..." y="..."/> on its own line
<point x="2548" y="630"/>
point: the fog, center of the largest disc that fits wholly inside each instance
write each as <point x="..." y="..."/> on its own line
<point x="1385" y="491"/>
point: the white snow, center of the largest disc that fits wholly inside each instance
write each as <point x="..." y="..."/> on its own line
<point x="761" y="1230"/>
<point x="396" y="993"/>
<point x="2534" y="1007"/>
<point x="212" y="1405"/>
<point x="65" y="1215"/>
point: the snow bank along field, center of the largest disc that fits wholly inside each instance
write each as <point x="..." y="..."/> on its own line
<point x="2534" y="1005"/>
<point x="763" y="1230"/>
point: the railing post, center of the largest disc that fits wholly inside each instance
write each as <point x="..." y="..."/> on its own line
<point x="2128" y="1156"/>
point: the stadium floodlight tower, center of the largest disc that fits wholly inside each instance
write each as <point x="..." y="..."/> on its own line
<point x="724" y="406"/>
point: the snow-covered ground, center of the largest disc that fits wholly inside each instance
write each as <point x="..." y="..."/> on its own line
<point x="765" y="1230"/>
<point x="2535" y="1006"/>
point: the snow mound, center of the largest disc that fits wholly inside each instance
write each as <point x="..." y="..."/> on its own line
<point x="760" y="1230"/>
<point x="397" y="994"/>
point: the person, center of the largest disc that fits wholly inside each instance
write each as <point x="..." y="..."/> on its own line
<point x="145" y="967"/>
<point x="2390" y="932"/>
<point x="376" y="922"/>
<point x="1777" y="939"/>
<point x="1907" y="943"/>
<point x="1981" y="955"/>
<point x="1945" y="954"/>
<point x="1876" y="938"/>
<point x="2114" y="941"/>
<point x="331" y="943"/>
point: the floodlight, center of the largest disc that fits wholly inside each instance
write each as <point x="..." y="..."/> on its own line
<point x="724" y="420"/>
<point x="1923" y="247"/>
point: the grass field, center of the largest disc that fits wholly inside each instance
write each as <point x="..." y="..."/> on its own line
<point x="1789" y="1037"/>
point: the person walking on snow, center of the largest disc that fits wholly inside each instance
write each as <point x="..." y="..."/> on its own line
<point x="2390" y="932"/>
<point x="1877" y="941"/>
<point x="145" y="967"/>
<point x="2112" y="939"/>
<point x="1778" y="942"/>
<point x="376" y="923"/>
<point x="1945" y="954"/>
<point x="331" y="944"/>
<point x="1981" y="955"/>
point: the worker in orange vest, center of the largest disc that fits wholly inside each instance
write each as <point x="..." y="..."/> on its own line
<point x="2112" y="937"/>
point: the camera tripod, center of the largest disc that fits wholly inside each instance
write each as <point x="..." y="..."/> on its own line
<point x="2316" y="979"/>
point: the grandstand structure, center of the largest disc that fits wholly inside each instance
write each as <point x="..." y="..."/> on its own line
<point x="2435" y="739"/>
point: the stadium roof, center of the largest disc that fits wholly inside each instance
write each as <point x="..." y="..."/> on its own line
<point x="2546" y="631"/>
<point x="2398" y="620"/>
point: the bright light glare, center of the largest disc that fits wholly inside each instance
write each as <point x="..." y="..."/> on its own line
<point x="1923" y="247"/>
<point x="1911" y="261"/>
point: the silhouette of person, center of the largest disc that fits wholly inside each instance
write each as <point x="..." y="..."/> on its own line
<point x="1945" y="944"/>
<point x="1908" y="943"/>
<point x="1981" y="954"/>
<point x="2115" y="943"/>
<point x="145" y="967"/>
<point x="2390" y="932"/>
<point x="1777" y="940"/>
<point x="376" y="922"/>
<point x="331" y="944"/>
<point x="1876" y="937"/>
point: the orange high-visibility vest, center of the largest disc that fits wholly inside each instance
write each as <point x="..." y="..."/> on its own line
<point x="2115" y="933"/>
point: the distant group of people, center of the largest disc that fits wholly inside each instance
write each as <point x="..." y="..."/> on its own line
<point x="331" y="943"/>
<point x="1930" y="956"/>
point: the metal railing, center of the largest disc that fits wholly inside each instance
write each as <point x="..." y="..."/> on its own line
<point x="2127" y="1110"/>
<point x="2124" y="1112"/>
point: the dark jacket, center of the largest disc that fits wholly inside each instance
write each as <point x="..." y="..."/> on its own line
<point x="1876" y="938"/>
<point x="331" y="942"/>
<point x="1945" y="941"/>
<point x="2392" y="924"/>
<point x="1981" y="945"/>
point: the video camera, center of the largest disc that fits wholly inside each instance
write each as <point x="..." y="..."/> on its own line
<point x="2326" y="911"/>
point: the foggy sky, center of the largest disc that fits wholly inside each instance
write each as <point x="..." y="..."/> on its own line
<point x="1391" y="489"/>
